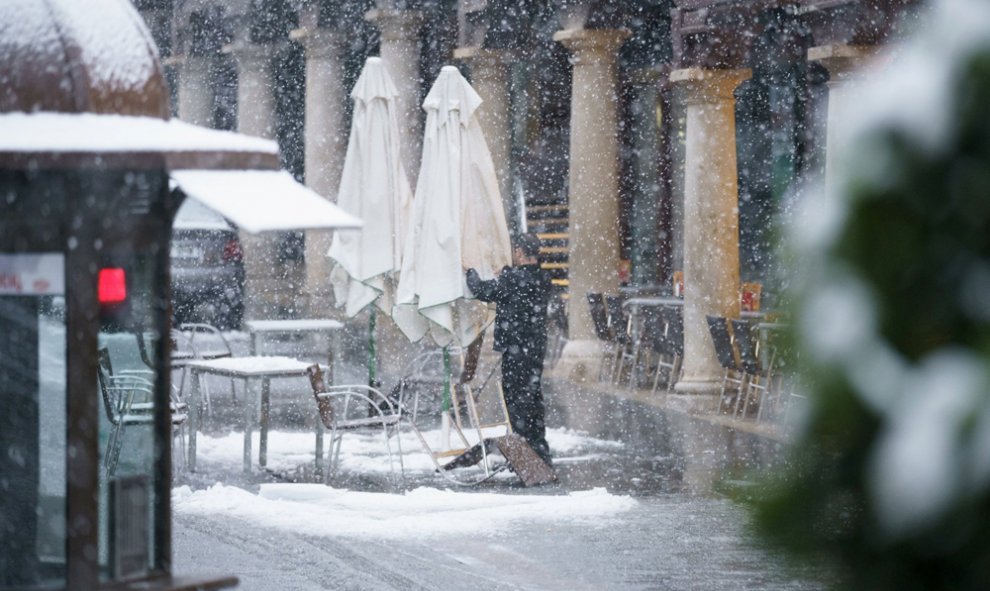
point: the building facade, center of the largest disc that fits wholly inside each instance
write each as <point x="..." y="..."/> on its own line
<point x="638" y="137"/>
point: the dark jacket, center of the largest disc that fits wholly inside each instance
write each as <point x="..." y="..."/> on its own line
<point x="521" y="295"/>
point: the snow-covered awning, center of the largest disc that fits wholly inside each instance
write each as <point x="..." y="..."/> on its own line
<point x="262" y="200"/>
<point x="82" y="140"/>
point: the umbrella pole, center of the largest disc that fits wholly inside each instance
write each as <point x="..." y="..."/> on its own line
<point x="445" y="419"/>
<point x="372" y="349"/>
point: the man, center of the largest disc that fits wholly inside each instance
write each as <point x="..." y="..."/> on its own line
<point x="521" y="294"/>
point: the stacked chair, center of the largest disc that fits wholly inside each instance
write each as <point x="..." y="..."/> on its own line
<point x="668" y="344"/>
<point x="755" y="370"/>
<point x="599" y="317"/>
<point x="128" y="401"/>
<point x="621" y="330"/>
<point x="733" y="374"/>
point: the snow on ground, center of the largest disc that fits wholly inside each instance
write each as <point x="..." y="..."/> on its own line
<point x="315" y="509"/>
<point x="318" y="510"/>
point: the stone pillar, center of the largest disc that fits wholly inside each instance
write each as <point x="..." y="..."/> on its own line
<point x="843" y="62"/>
<point x="400" y="51"/>
<point x="645" y="217"/>
<point x="255" y="89"/>
<point x="196" y="90"/>
<point x="490" y="79"/>
<point x="326" y="147"/>
<point x="265" y="283"/>
<point x="593" y="188"/>
<point x="711" y="227"/>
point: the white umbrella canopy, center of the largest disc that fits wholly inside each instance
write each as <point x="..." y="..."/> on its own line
<point x="374" y="188"/>
<point x="457" y="221"/>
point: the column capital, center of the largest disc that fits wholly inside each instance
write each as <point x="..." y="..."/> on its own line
<point x="396" y="25"/>
<point x="709" y="85"/>
<point x="483" y="56"/>
<point x="320" y="42"/>
<point x="592" y="45"/>
<point x="251" y="52"/>
<point x="841" y="61"/>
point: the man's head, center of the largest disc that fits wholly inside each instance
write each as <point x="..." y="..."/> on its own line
<point x="525" y="249"/>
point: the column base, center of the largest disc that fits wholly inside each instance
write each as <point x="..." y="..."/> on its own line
<point x="699" y="396"/>
<point x="579" y="361"/>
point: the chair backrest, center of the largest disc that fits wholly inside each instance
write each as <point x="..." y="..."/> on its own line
<point x="672" y="321"/>
<point x="323" y="403"/>
<point x="748" y="346"/>
<point x="725" y="349"/>
<point x="103" y="372"/>
<point x="617" y="317"/>
<point x="599" y="315"/>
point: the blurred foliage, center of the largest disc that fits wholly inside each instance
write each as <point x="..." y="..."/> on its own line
<point x="917" y="234"/>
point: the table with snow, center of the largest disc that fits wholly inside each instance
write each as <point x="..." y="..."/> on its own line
<point x="253" y="370"/>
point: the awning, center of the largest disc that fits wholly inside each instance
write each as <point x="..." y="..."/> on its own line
<point x="262" y="200"/>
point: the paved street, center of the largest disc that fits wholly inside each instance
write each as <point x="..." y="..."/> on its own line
<point x="680" y="534"/>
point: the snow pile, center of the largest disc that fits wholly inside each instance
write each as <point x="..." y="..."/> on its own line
<point x="317" y="510"/>
<point x="365" y="452"/>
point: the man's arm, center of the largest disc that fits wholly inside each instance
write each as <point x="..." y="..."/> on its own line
<point x="486" y="291"/>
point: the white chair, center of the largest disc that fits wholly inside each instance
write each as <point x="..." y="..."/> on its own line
<point x="353" y="408"/>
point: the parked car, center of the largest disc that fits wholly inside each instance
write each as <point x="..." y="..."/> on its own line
<point x="207" y="268"/>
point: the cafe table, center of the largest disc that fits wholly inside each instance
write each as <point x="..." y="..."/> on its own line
<point x="256" y="372"/>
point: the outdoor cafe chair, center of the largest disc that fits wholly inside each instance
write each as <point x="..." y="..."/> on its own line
<point x="620" y="326"/>
<point x="212" y="344"/>
<point x="128" y="401"/>
<point x="756" y="370"/>
<point x="599" y="318"/>
<point x="643" y="325"/>
<point x="728" y="357"/>
<point x="668" y="343"/>
<point x="354" y="408"/>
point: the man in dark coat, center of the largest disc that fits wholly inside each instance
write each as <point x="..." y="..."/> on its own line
<point x="521" y="294"/>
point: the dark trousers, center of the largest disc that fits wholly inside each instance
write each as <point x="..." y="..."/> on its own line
<point x="521" y="377"/>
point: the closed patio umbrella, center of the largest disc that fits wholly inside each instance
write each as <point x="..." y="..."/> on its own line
<point x="457" y="221"/>
<point x="373" y="187"/>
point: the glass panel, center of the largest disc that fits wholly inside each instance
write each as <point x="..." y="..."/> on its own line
<point x="32" y="422"/>
<point x="127" y="386"/>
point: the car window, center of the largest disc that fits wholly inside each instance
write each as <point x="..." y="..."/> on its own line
<point x="193" y="215"/>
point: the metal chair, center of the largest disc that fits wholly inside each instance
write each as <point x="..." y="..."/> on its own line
<point x="753" y="366"/>
<point x="728" y="357"/>
<point x="620" y="328"/>
<point x="353" y="408"/>
<point x="668" y="343"/>
<point x="212" y="345"/>
<point x="128" y="400"/>
<point x="600" y="320"/>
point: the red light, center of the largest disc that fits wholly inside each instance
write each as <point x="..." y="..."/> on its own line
<point x="111" y="286"/>
<point x="232" y="251"/>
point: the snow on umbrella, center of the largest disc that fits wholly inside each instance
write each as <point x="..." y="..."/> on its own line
<point x="373" y="187"/>
<point x="457" y="221"/>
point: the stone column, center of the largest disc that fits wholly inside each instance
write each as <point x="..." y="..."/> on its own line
<point x="400" y="51"/>
<point x="645" y="217"/>
<point x="196" y="89"/>
<point x="711" y="227"/>
<point x="265" y="283"/>
<point x="490" y="79"/>
<point x="326" y="147"/>
<point x="593" y="188"/>
<point x="843" y="63"/>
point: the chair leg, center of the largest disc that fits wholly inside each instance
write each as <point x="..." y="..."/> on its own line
<point x="675" y="372"/>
